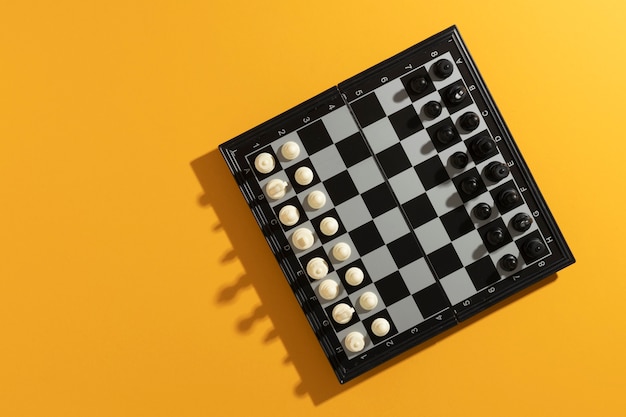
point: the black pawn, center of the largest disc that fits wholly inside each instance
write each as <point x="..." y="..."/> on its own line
<point x="496" y="171"/>
<point x="418" y="85"/>
<point x="457" y="94"/>
<point x="482" y="211"/>
<point x="469" y="185"/>
<point x="459" y="160"/>
<point x="446" y="134"/>
<point x="443" y="68"/>
<point x="469" y="121"/>
<point x="495" y="236"/>
<point x="509" y="198"/>
<point x="508" y="262"/>
<point x="534" y="248"/>
<point x="432" y="109"/>
<point x="521" y="222"/>
<point x="483" y="146"/>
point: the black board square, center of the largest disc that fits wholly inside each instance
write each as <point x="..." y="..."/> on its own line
<point x="340" y="188"/>
<point x="483" y="273"/>
<point x="431" y="172"/>
<point x="435" y="133"/>
<point x="532" y="247"/>
<point x="393" y="160"/>
<point x="316" y="225"/>
<point x="405" y="122"/>
<point x="445" y="261"/>
<point x="353" y="149"/>
<point x="409" y="82"/>
<point x="316" y="253"/>
<point x="315" y="137"/>
<point x="384" y="314"/>
<point x="260" y="175"/>
<point x="457" y="222"/>
<point x="469" y="185"/>
<point x="291" y="202"/>
<point x="366" y="238"/>
<point x="405" y="250"/>
<point x="338" y="326"/>
<point x="504" y="203"/>
<point x="367" y="110"/>
<point x="342" y="276"/>
<point x="392" y="288"/>
<point x="430" y="300"/>
<point x="379" y="200"/>
<point x="495" y="229"/>
<point x="291" y="174"/>
<point x="419" y="210"/>
<point x="481" y="146"/>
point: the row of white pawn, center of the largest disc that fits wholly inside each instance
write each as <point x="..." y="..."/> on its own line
<point x="355" y="341"/>
<point x="276" y="188"/>
<point x="342" y="313"/>
<point x="303" y="239"/>
<point x="265" y="163"/>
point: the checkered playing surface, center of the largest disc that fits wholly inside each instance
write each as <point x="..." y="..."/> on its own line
<point x="434" y="215"/>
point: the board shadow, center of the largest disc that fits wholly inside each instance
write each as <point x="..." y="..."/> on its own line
<point x="317" y="379"/>
<point x="262" y="272"/>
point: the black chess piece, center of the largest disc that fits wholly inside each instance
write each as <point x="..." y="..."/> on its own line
<point x="418" y="85"/>
<point x="495" y="236"/>
<point x="534" y="248"/>
<point x="482" y="211"/>
<point x="509" y="198"/>
<point x="446" y="134"/>
<point x="469" y="121"/>
<point x="483" y="147"/>
<point x="432" y="109"/>
<point x="508" y="263"/>
<point x="522" y="222"/>
<point x="459" y="160"/>
<point x="457" y="94"/>
<point x="443" y="68"/>
<point x="469" y="185"/>
<point x="496" y="171"/>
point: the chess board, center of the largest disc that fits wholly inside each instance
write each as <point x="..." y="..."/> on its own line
<point x="397" y="204"/>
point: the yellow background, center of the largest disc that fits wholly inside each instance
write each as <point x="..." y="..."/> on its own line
<point x="134" y="281"/>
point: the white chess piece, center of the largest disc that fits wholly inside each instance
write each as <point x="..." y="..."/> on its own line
<point x="290" y="150"/>
<point x="264" y="163"/>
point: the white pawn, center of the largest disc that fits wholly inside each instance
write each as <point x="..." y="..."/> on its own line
<point x="316" y="199"/>
<point x="289" y="215"/>
<point x="355" y="342"/>
<point x="368" y="300"/>
<point x="290" y="150"/>
<point x="380" y="327"/>
<point x="354" y="276"/>
<point x="328" y="289"/>
<point x="342" y="251"/>
<point x="264" y="163"/>
<point x="302" y="238"/>
<point x="329" y="226"/>
<point x="276" y="189"/>
<point x="342" y="313"/>
<point x="317" y="268"/>
<point x="303" y="175"/>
